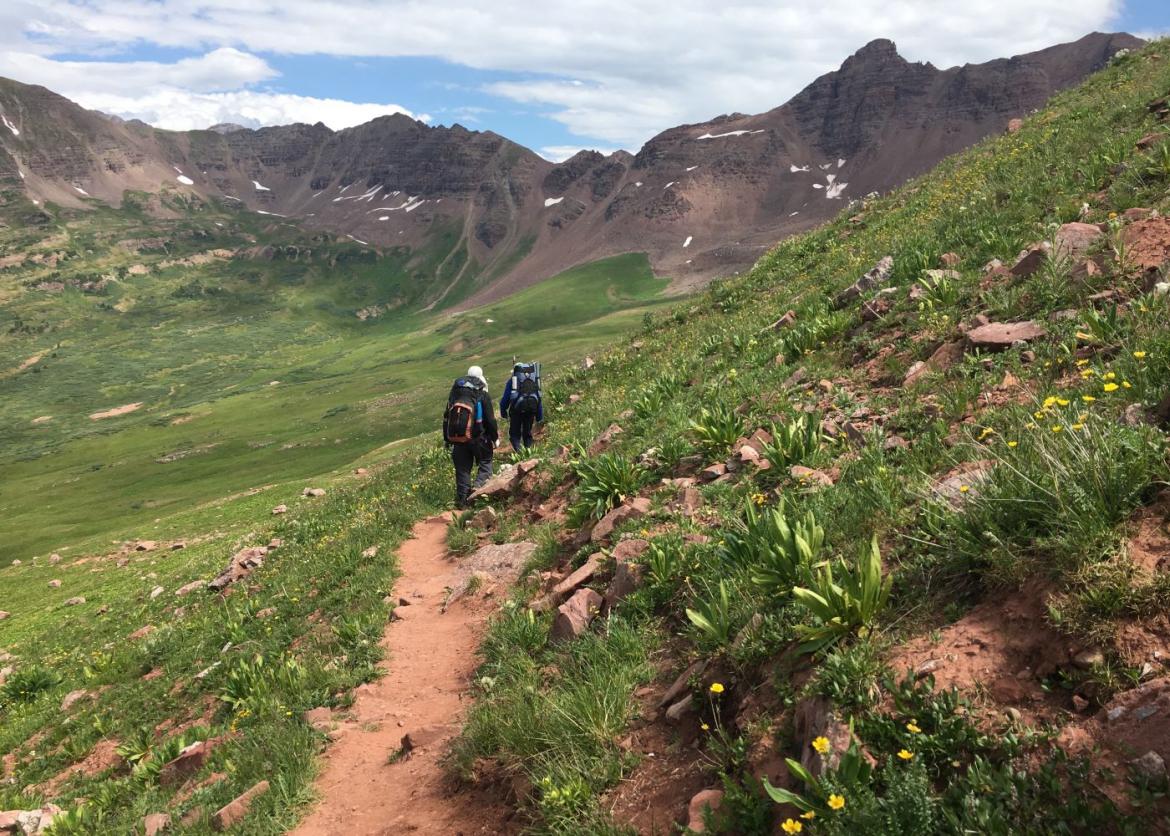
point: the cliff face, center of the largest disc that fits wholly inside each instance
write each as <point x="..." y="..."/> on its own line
<point x="702" y="200"/>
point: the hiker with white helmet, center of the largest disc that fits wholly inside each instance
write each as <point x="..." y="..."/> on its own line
<point x="470" y="431"/>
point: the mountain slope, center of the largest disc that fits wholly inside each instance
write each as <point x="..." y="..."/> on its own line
<point x="702" y="200"/>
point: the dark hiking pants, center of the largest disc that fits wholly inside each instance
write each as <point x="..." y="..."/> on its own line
<point x="520" y="429"/>
<point x="475" y="455"/>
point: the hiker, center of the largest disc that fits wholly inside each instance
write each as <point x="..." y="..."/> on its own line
<point x="470" y="431"/>
<point x="521" y="404"/>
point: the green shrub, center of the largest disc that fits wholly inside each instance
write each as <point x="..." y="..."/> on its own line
<point x="840" y="610"/>
<point x="603" y="483"/>
<point x="717" y="429"/>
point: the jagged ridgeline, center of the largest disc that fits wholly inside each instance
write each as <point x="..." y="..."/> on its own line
<point x="890" y="506"/>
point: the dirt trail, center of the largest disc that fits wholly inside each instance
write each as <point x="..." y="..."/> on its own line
<point x="430" y="656"/>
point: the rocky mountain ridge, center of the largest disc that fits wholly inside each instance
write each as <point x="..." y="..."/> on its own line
<point x="701" y="200"/>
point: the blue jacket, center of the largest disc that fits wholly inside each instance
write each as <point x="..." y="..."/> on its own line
<point x="509" y="397"/>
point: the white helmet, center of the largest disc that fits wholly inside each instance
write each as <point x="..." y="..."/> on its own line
<point x="477" y="373"/>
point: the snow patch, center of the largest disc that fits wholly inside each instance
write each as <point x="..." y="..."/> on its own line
<point x="489" y="321"/>
<point x="830" y="178"/>
<point x="229" y="197"/>
<point x="638" y="185"/>
<point x="668" y="185"/>
<point x="793" y="214"/>
<point x="260" y="188"/>
<point x="840" y="162"/>
<point x="826" y="166"/>
<point x="687" y="242"/>
<point x="552" y="201"/>
<point x="9" y="125"/>
<point x="794" y="168"/>
<point x="185" y="180"/>
<point x="360" y="241"/>
<point x="689" y="260"/>
<point x="176" y="168"/>
<point x="343" y="188"/>
<point x="383" y="217"/>
<point x="414" y="205"/>
<point x="817" y="186"/>
<point x="691" y="167"/>
<point x="21" y="173"/>
<point x="729" y="133"/>
<point x="217" y="223"/>
<point x="835" y="190"/>
<point x="274" y="214"/>
<point x="81" y="191"/>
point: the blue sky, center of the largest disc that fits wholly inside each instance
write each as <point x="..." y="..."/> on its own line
<point x="556" y="76"/>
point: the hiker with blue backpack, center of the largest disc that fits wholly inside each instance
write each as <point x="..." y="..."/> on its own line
<point x="470" y="431"/>
<point x="521" y="404"/>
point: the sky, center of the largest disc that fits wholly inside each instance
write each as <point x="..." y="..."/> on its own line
<point x="556" y="75"/>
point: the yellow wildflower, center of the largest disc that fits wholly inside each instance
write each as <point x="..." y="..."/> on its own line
<point x="1076" y="426"/>
<point x="1088" y="398"/>
<point x="1139" y="355"/>
<point x="1125" y="384"/>
<point x="1012" y="443"/>
<point x="716" y="687"/>
<point x="1062" y="401"/>
<point x="1110" y="387"/>
<point x="821" y="745"/>
<point x="1110" y="375"/>
<point x="705" y="727"/>
<point x="1057" y="428"/>
<point x="913" y="728"/>
<point x="1049" y="401"/>
<point x="810" y="815"/>
<point x="836" y="802"/>
<point x="1082" y="362"/>
<point x="906" y="755"/>
<point x="1038" y="414"/>
<point x="791" y="826"/>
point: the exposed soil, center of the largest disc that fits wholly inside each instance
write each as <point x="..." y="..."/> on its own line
<point x="116" y="411"/>
<point x="431" y="656"/>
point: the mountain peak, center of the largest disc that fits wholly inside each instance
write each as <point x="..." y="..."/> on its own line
<point x="879" y="49"/>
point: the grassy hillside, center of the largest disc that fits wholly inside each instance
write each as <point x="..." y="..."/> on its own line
<point x="996" y="524"/>
<point x="257" y="356"/>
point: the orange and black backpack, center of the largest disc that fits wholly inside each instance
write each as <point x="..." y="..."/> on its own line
<point x="463" y="418"/>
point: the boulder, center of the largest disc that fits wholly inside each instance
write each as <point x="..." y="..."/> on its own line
<point x="604" y="440"/>
<point x="55" y="584"/>
<point x="877" y="276"/>
<point x="785" y="321"/>
<point x="484" y="519"/>
<point x="810" y="477"/>
<point x="142" y="632"/>
<point x="634" y="508"/>
<point x="689" y="501"/>
<point x="575" y="615"/>
<point x="713" y="472"/>
<point x="815" y="717"/>
<point x="235" y="810"/>
<point x="279" y="509"/>
<point x="242" y="564"/>
<point x="1014" y="125"/>
<point x="1030" y="260"/>
<point x="943" y="358"/>
<point x="679" y="710"/>
<point x="1150" y="766"/>
<point x="1149" y="141"/>
<point x="313" y="492"/>
<point x="500" y="485"/>
<point x="1073" y="241"/>
<point x="682" y="682"/>
<point x="997" y="336"/>
<point x="706" y="801"/>
<point x="54" y="559"/>
<point x="581" y="575"/>
<point x="157" y="591"/>
<point x="75" y="601"/>
<point x="949" y="260"/>
<point x="627" y="577"/>
<point x="145" y="546"/>
<point x="178" y="545"/>
<point x="372" y="551"/>
<point x="630" y="549"/>
<point x="188" y="588"/>
<point x="189" y="761"/>
<point x="587" y="364"/>
<point x="156" y="823"/>
<point x="5" y="614"/>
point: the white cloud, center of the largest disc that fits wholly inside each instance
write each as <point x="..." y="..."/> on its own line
<point x="630" y="69"/>
<point x="178" y="110"/>
<point x="560" y="153"/>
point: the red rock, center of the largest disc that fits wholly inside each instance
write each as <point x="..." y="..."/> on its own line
<point x="1001" y="335"/>
<point x="627" y="577"/>
<point x="55" y="584"/>
<point x="1136" y="213"/>
<point x="320" y="719"/>
<point x="267" y="612"/>
<point x="234" y="811"/>
<point x="808" y="476"/>
<point x="1031" y="260"/>
<point x="242" y="564"/>
<point x="689" y="501"/>
<point x="9" y="822"/>
<point x="189" y="761"/>
<point x="634" y="508"/>
<point x="945" y="356"/>
<point x="145" y="546"/>
<point x="1073" y="241"/>
<point x="604" y="440"/>
<point x="5" y="614"/>
<point x="630" y="549"/>
<point x="1014" y="125"/>
<point x="74" y="697"/>
<point x="706" y="800"/>
<point x="279" y="509"/>
<point x="500" y="485"/>
<point x="1149" y="140"/>
<point x="156" y="823"/>
<point x="783" y="322"/>
<point x="575" y="615"/>
<point x="142" y="632"/>
<point x="949" y="259"/>
<point x="682" y="682"/>
<point x="187" y="589"/>
<point x="1147" y="243"/>
<point x="75" y="601"/>
<point x="712" y="472"/>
